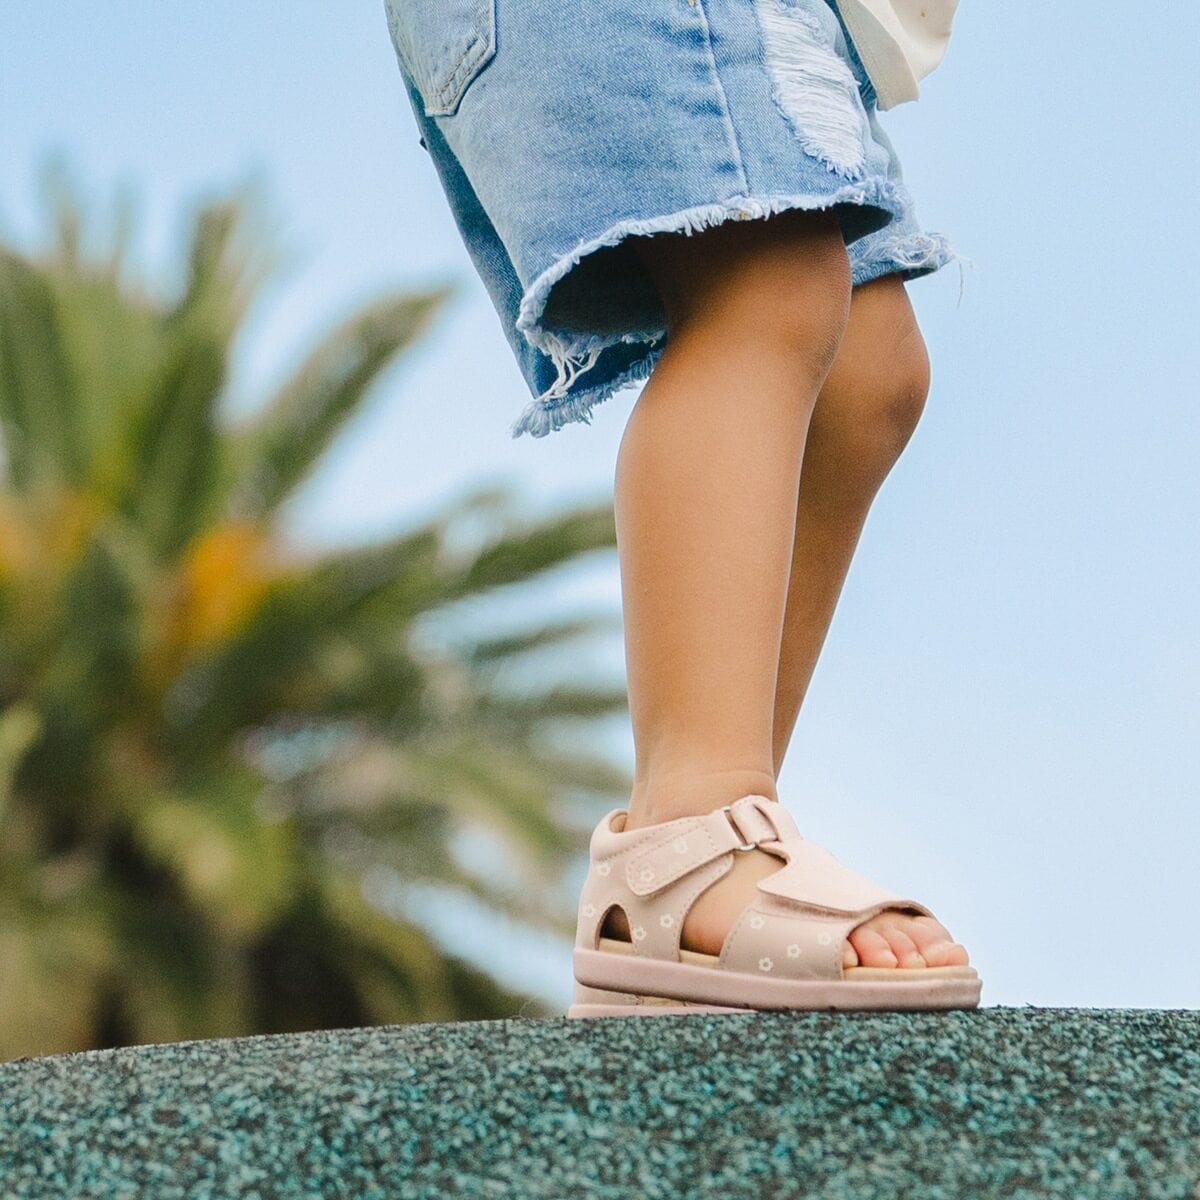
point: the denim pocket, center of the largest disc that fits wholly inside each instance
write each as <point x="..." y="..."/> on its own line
<point x="442" y="45"/>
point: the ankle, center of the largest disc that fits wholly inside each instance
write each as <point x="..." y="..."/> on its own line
<point x="661" y="797"/>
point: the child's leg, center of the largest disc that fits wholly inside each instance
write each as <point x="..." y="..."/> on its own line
<point x="706" y="507"/>
<point x="705" y="499"/>
<point x="866" y="412"/>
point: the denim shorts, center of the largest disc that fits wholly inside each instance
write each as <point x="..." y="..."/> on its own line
<point x="559" y="130"/>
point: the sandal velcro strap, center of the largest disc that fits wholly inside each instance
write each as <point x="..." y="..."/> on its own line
<point x="690" y="845"/>
<point x="693" y="842"/>
<point x="815" y="878"/>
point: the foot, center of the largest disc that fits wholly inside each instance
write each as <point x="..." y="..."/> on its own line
<point x="891" y="939"/>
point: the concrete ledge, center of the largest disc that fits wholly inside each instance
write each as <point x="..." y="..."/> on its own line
<point x="1013" y="1103"/>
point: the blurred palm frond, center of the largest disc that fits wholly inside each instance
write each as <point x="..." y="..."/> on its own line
<point x="210" y="740"/>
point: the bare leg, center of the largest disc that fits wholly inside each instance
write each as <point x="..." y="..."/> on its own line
<point x="706" y="504"/>
<point x="705" y="499"/>
<point x="868" y="408"/>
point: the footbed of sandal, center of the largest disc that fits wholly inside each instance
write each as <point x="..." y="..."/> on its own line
<point x="620" y="946"/>
<point x="782" y="951"/>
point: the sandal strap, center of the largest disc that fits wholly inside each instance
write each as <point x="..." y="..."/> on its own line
<point x="770" y="938"/>
<point x="798" y="923"/>
<point x="815" y="879"/>
<point x="677" y="848"/>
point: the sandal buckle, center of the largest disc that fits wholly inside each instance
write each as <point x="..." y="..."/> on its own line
<point x="727" y="809"/>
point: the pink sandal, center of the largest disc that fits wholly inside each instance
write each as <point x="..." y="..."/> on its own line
<point x="784" y="951"/>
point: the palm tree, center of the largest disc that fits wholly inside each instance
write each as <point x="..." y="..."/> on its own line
<point x="211" y="742"/>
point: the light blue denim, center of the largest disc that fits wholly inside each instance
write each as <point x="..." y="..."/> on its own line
<point x="559" y="130"/>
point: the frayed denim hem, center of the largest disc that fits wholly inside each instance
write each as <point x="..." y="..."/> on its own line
<point x="558" y="406"/>
<point x="545" y="416"/>
<point x="910" y="255"/>
<point x="574" y="355"/>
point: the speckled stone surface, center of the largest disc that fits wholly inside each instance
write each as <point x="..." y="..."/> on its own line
<point x="1013" y="1103"/>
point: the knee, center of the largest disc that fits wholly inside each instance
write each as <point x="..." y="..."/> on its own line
<point x="900" y="397"/>
<point x="868" y="411"/>
<point x="781" y="287"/>
<point x="803" y="318"/>
<point x="785" y="327"/>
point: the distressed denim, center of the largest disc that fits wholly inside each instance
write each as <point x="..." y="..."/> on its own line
<point x="560" y="130"/>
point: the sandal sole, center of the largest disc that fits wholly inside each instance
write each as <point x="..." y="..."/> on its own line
<point x="602" y="1002"/>
<point x="651" y="987"/>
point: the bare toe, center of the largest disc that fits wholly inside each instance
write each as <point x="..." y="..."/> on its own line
<point x="904" y="948"/>
<point x="872" y="947"/>
<point x="893" y="938"/>
<point x="945" y="954"/>
<point x="934" y="942"/>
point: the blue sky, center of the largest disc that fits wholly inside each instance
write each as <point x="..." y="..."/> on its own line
<point x="1006" y="718"/>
